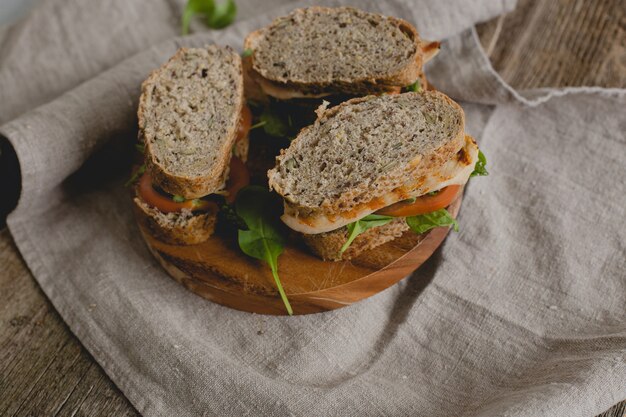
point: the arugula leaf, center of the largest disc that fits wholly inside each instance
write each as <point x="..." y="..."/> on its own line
<point x="263" y="240"/>
<point x="480" y="167"/>
<point x="136" y="175"/>
<point x="416" y="86"/>
<point x="223" y="15"/>
<point x="217" y="16"/>
<point x="227" y="211"/>
<point x="246" y="53"/>
<point x="424" y="222"/>
<point x="273" y="124"/>
<point x="257" y="125"/>
<point x="361" y="225"/>
<point x="178" y="198"/>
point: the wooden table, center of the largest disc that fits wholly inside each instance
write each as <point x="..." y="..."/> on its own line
<point x="44" y="370"/>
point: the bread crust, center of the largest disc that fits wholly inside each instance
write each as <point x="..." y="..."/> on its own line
<point x="363" y="192"/>
<point x="359" y="86"/>
<point x="186" y="186"/>
<point x="327" y="245"/>
<point x="197" y="228"/>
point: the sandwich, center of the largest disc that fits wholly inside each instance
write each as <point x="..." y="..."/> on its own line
<point x="322" y="52"/>
<point x="193" y="134"/>
<point x="372" y="168"/>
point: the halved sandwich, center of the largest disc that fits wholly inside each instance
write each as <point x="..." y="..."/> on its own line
<point x="193" y="126"/>
<point x="320" y="51"/>
<point x="372" y="168"/>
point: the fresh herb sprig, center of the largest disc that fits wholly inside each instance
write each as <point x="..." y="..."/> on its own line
<point x="216" y="15"/>
<point x="263" y="239"/>
<point x="136" y="175"/>
<point x="416" y="86"/>
<point x="361" y="225"/>
<point x="424" y="222"/>
<point x="275" y="120"/>
<point x="480" y="168"/>
<point x="274" y="124"/>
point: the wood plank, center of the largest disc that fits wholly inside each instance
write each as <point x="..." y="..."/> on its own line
<point x="559" y="43"/>
<point x="44" y="370"/>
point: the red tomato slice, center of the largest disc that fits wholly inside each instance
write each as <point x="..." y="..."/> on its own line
<point x="424" y="204"/>
<point x="165" y="204"/>
<point x="245" y="121"/>
<point x="238" y="178"/>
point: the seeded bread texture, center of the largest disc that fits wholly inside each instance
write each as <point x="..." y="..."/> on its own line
<point x="184" y="228"/>
<point x="365" y="148"/>
<point x="336" y="50"/>
<point x="188" y="114"/>
<point x="327" y="245"/>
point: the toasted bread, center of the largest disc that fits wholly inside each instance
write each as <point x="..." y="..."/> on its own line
<point x="365" y="149"/>
<point x="318" y="51"/>
<point x="188" y="115"/>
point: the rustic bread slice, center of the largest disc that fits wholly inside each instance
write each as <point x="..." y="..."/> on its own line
<point x="365" y="148"/>
<point x="184" y="228"/>
<point x="188" y="114"/>
<point x="320" y="50"/>
<point x="327" y="245"/>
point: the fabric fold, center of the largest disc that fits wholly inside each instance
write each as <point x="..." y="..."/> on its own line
<point x="521" y="313"/>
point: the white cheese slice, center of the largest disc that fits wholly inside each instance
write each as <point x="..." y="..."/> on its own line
<point x="455" y="171"/>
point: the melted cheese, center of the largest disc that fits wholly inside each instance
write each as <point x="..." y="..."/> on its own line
<point x="455" y="171"/>
<point x="283" y="93"/>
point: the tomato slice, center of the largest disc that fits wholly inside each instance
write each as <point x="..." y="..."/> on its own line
<point x="424" y="204"/>
<point x="245" y="121"/>
<point x="394" y="90"/>
<point x="165" y="204"/>
<point x="238" y="178"/>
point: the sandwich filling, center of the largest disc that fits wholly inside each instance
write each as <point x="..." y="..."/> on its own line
<point x="236" y="177"/>
<point x="455" y="171"/>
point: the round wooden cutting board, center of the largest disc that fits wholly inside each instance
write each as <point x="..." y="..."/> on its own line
<point x="218" y="271"/>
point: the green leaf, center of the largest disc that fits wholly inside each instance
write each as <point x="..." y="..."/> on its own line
<point x="416" y="86"/>
<point x="274" y="125"/>
<point x="257" y="125"/>
<point x="140" y="147"/>
<point x="178" y="198"/>
<point x="263" y="240"/>
<point x="136" y="175"/>
<point x="424" y="222"/>
<point x="480" y="167"/>
<point x="360" y="226"/>
<point x="217" y="16"/>
<point x="223" y="15"/>
<point x="230" y="215"/>
<point x="246" y="53"/>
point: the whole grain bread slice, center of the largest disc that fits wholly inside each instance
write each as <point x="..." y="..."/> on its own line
<point x="184" y="228"/>
<point x="365" y="148"/>
<point x="188" y="114"/>
<point x="319" y="50"/>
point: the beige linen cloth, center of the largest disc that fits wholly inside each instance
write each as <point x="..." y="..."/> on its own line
<point x="522" y="313"/>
